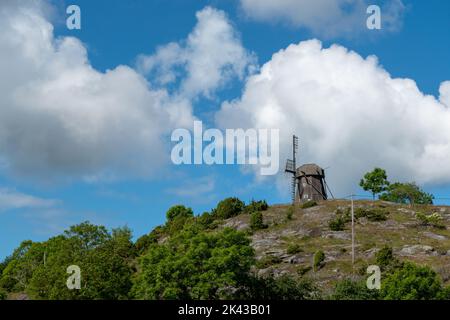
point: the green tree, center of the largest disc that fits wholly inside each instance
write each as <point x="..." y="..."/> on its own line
<point x="407" y="193"/>
<point x="104" y="259"/>
<point x="348" y="289"/>
<point x="375" y="181"/>
<point x="412" y="282"/>
<point x="179" y="211"/>
<point x="195" y="264"/>
<point x="228" y="208"/>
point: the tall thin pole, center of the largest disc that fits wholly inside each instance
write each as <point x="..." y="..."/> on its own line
<point x="353" y="233"/>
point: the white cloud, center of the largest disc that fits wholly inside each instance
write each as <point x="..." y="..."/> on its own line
<point x="11" y="199"/>
<point x="349" y="113"/>
<point x="211" y="56"/>
<point x="59" y="116"/>
<point x="327" y="18"/>
<point x="444" y="91"/>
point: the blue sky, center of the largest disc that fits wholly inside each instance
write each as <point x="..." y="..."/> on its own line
<point x="37" y="205"/>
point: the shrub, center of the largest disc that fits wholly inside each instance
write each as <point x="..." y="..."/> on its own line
<point x="336" y="224"/>
<point x="319" y="258"/>
<point x="2" y="294"/>
<point x="309" y="204"/>
<point x="267" y="261"/>
<point x="412" y="282"/>
<point x="353" y="290"/>
<point x="228" y="208"/>
<point x="293" y="248"/>
<point x="257" y="221"/>
<point x="374" y="214"/>
<point x="290" y="213"/>
<point x="256" y="206"/>
<point x="282" y="288"/>
<point x="433" y="220"/>
<point x="385" y="257"/>
<point x="178" y="211"/>
<point x="205" y="220"/>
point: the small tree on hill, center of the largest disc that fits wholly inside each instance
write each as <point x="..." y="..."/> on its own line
<point x="375" y="181"/>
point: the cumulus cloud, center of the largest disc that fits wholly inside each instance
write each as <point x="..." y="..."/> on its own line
<point x="59" y="116"/>
<point x="349" y="113"/>
<point x="327" y="18"/>
<point x="211" y="56"/>
<point x="444" y="91"/>
<point x="11" y="199"/>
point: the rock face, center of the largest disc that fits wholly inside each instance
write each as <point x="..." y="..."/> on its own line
<point x="411" y="250"/>
<point x="435" y="236"/>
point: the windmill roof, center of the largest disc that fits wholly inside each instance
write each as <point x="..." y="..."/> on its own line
<point x="310" y="169"/>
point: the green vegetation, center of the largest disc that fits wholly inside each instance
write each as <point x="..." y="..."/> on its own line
<point x="412" y="282"/>
<point x="257" y="221"/>
<point x="197" y="257"/>
<point x="348" y="289"/>
<point x="433" y="220"/>
<point x="293" y="248"/>
<point x="228" y="208"/>
<point x="319" y="258"/>
<point x="256" y="206"/>
<point x="407" y="193"/>
<point x="309" y="204"/>
<point x="372" y="214"/>
<point x="337" y="223"/>
<point x="375" y="181"/>
<point x="290" y="213"/>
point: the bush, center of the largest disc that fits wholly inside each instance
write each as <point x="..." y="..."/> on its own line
<point x="293" y="248"/>
<point x="412" y="282"/>
<point x="353" y="290"/>
<point x="178" y="211"/>
<point x="228" y="208"/>
<point x="290" y="213"/>
<point x="281" y="288"/>
<point x="3" y="294"/>
<point x="205" y="220"/>
<point x="384" y="257"/>
<point x="374" y="215"/>
<point x="336" y="224"/>
<point x="256" y="206"/>
<point x="256" y="221"/>
<point x="319" y="258"/>
<point x="309" y="204"/>
<point x="268" y="261"/>
<point x="433" y="220"/>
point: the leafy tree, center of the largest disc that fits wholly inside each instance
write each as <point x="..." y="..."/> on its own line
<point x="228" y="208"/>
<point x="104" y="259"/>
<point x="3" y="294"/>
<point x="179" y="211"/>
<point x="195" y="264"/>
<point x="375" y="181"/>
<point x="348" y="289"/>
<point x="280" y="288"/>
<point x="407" y="193"/>
<point x="412" y="282"/>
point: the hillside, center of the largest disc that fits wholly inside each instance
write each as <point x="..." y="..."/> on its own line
<point x="308" y="231"/>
